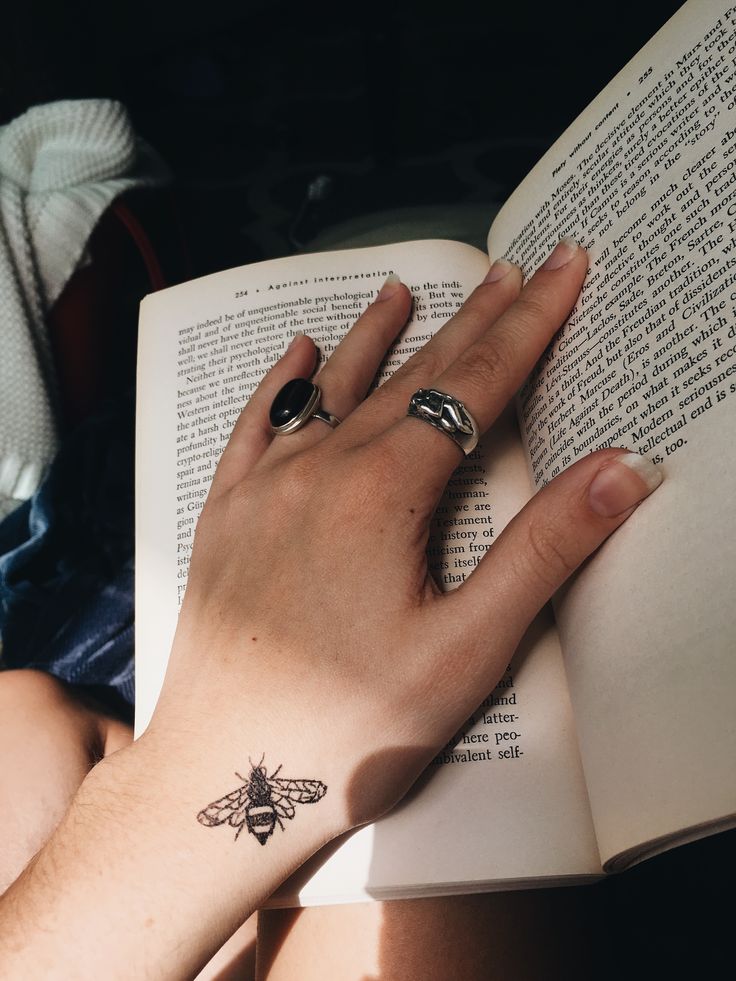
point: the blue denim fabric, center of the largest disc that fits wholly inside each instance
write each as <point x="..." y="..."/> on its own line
<point x="66" y="563"/>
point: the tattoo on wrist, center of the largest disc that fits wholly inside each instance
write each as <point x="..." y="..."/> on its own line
<point x="261" y="802"/>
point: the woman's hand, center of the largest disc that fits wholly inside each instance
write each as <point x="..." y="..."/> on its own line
<point x="311" y="621"/>
<point x="312" y="632"/>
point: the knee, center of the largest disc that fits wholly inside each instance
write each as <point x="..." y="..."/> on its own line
<point x="36" y="706"/>
<point x="26" y="688"/>
<point x="49" y="745"/>
<point x="38" y="700"/>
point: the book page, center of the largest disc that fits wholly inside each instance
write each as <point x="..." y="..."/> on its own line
<point x="203" y="348"/>
<point x="646" y="179"/>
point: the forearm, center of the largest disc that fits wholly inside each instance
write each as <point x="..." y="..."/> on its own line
<point x="131" y="884"/>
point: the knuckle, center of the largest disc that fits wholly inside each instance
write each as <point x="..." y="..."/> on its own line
<point x="366" y="491"/>
<point x="292" y="481"/>
<point x="549" y="560"/>
<point x="489" y="361"/>
<point x="345" y="389"/>
<point x="530" y="309"/>
<point x="352" y="391"/>
<point x="339" y="490"/>
<point x="369" y="477"/>
<point x="422" y="368"/>
<point x="298" y="478"/>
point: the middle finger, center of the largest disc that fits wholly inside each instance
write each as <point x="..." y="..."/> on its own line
<point x="488" y="373"/>
<point x="481" y="310"/>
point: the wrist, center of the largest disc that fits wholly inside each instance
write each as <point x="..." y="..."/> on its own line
<point x="341" y="748"/>
<point x="209" y="792"/>
<point x="201" y="762"/>
<point x="131" y="871"/>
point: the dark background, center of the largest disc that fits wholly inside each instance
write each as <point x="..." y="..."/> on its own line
<point x="409" y="103"/>
<point x="399" y="105"/>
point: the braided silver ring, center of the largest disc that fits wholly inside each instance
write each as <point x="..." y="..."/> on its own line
<point x="295" y="405"/>
<point x="448" y="415"/>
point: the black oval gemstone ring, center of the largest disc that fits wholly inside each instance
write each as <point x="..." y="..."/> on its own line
<point x="297" y="403"/>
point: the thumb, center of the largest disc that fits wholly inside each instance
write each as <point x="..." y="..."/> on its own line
<point x="550" y="537"/>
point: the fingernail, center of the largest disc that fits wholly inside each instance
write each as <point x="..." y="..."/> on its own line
<point x="389" y="288"/>
<point x="499" y="269"/>
<point x="623" y="483"/>
<point x="565" y="249"/>
<point x="295" y="338"/>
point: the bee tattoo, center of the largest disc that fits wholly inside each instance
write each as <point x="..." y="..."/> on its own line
<point x="261" y="802"/>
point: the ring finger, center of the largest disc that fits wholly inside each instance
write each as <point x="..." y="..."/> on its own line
<point x="345" y="377"/>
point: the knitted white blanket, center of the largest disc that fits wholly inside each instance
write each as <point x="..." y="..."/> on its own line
<point x="61" y="165"/>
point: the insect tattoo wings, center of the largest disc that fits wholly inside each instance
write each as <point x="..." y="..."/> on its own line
<point x="261" y="802"/>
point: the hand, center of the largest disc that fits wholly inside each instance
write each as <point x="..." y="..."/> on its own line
<point x="311" y="626"/>
<point x="311" y="631"/>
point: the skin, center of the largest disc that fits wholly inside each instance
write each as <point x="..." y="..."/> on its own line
<point x="473" y="937"/>
<point x="42" y="766"/>
<point x="329" y="663"/>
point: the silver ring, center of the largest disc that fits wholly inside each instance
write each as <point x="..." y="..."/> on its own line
<point x="295" y="405"/>
<point x="448" y="415"/>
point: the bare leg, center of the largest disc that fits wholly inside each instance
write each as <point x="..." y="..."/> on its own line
<point x="516" y="936"/>
<point x="49" y="742"/>
<point x="50" y="738"/>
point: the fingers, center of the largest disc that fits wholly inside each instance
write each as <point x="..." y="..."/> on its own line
<point x="472" y="358"/>
<point x="557" y="530"/>
<point x="488" y="372"/>
<point x="344" y="381"/>
<point x="252" y="434"/>
<point x="351" y="368"/>
<point x="479" y="312"/>
<point x="347" y="375"/>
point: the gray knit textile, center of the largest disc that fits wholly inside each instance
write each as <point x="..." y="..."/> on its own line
<point x="61" y="166"/>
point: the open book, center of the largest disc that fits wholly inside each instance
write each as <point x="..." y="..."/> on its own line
<point x="613" y="734"/>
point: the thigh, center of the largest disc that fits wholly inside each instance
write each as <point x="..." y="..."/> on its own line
<point x="511" y="936"/>
<point x="49" y="741"/>
<point x="236" y="959"/>
<point x="51" y="735"/>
